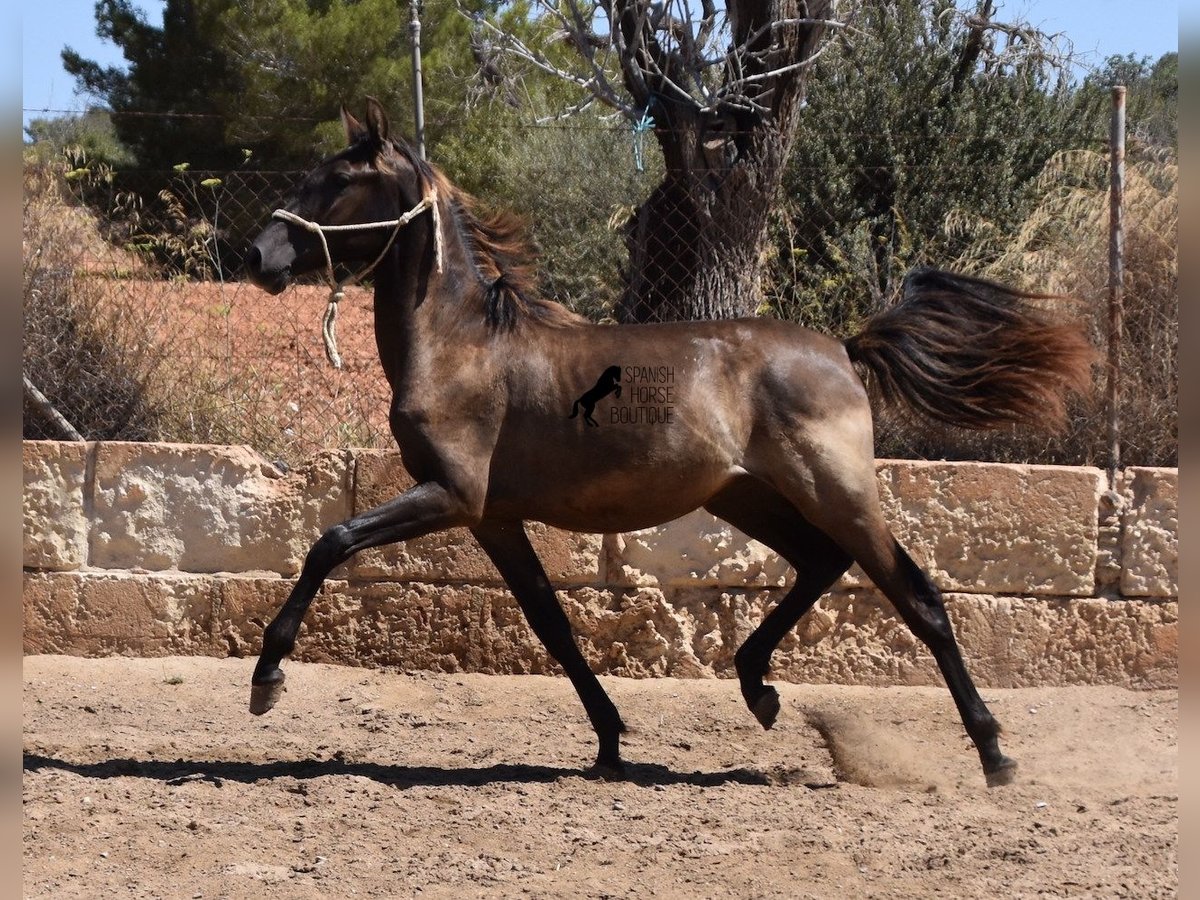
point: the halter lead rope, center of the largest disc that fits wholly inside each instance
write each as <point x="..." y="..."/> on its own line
<point x="337" y="289"/>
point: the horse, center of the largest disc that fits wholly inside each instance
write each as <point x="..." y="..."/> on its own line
<point x="609" y="382"/>
<point x="771" y="429"/>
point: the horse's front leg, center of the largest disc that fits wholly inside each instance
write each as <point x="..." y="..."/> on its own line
<point x="508" y="547"/>
<point x="425" y="508"/>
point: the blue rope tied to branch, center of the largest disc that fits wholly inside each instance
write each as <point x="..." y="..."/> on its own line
<point x="640" y="127"/>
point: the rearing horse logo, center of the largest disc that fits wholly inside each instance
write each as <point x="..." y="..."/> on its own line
<point x="608" y="383"/>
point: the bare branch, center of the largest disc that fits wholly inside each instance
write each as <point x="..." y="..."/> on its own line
<point x="669" y="49"/>
<point x="568" y="112"/>
<point x="596" y="84"/>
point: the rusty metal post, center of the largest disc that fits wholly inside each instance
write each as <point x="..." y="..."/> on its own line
<point x="414" y="30"/>
<point x="1116" y="276"/>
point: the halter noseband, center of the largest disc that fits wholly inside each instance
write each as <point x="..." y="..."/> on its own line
<point x="337" y="289"/>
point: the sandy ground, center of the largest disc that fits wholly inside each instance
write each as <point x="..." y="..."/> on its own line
<point x="148" y="778"/>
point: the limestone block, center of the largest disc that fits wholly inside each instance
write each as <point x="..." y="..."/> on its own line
<point x="1150" y="546"/>
<point x="245" y="607"/>
<point x="454" y="555"/>
<point x="697" y="550"/>
<point x="642" y="632"/>
<point x="469" y="628"/>
<point x="849" y="637"/>
<point x="211" y="508"/>
<point x="55" y="526"/>
<point x="50" y="602"/>
<point x="995" y="529"/>
<point x="853" y="637"/>
<point x="96" y="614"/>
<point x="973" y="526"/>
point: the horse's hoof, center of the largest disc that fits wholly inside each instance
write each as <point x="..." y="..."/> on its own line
<point x="766" y="707"/>
<point x="608" y="770"/>
<point x="264" y="696"/>
<point x="1004" y="772"/>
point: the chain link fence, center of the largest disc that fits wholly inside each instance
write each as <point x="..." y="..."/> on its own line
<point x="139" y="325"/>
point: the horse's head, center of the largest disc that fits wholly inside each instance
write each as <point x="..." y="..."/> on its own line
<point x="374" y="180"/>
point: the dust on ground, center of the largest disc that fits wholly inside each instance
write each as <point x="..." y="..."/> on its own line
<point x="149" y="778"/>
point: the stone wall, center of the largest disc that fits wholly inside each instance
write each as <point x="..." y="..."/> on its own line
<point x="154" y="549"/>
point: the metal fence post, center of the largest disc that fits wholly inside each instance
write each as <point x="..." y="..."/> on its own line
<point x="414" y="29"/>
<point x="1116" y="276"/>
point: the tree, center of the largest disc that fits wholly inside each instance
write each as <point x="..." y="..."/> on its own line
<point x="91" y="133"/>
<point x="299" y="60"/>
<point x="220" y="76"/>
<point x="721" y="90"/>
<point x="725" y="91"/>
<point x="1151" y="99"/>
<point x="166" y="106"/>
<point x="924" y="127"/>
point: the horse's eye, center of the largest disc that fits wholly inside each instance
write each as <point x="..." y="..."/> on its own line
<point x="341" y="179"/>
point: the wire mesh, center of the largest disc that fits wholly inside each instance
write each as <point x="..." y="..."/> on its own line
<point x="139" y="324"/>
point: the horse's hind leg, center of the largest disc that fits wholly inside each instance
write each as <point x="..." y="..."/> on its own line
<point x="825" y="467"/>
<point x="758" y="510"/>
<point x="919" y="603"/>
<point x="844" y="502"/>
<point x="507" y="545"/>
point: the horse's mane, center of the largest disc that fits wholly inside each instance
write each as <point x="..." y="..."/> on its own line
<point x="501" y="253"/>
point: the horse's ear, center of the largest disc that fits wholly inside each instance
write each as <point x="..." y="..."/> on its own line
<point x="377" y="122"/>
<point x="355" y="131"/>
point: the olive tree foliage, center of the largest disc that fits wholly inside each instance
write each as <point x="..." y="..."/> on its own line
<point x="925" y="124"/>
<point x="90" y="133"/>
<point x="1151" y="99"/>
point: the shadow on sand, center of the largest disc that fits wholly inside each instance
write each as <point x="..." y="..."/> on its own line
<point x="403" y="777"/>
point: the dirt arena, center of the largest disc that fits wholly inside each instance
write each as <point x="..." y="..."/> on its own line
<point x="149" y="778"/>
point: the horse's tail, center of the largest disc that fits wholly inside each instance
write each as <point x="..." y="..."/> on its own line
<point x="973" y="353"/>
<point x="574" y="410"/>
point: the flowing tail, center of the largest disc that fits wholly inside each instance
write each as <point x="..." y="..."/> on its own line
<point x="973" y="353"/>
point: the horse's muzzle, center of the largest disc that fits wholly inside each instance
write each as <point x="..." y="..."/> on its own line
<point x="271" y="279"/>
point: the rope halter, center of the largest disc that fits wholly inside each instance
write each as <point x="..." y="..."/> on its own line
<point x="337" y="289"/>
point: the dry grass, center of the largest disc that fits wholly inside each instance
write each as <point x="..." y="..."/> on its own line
<point x="89" y="357"/>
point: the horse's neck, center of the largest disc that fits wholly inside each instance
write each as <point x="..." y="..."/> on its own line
<point x="421" y="313"/>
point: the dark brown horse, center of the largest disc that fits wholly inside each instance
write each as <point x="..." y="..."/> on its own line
<point x="769" y="425"/>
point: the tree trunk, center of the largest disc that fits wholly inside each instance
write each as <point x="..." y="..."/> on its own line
<point x="696" y="242"/>
<point x="695" y="245"/>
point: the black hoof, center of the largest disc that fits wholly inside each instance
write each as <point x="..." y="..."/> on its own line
<point x="1002" y="773"/>
<point x="266" y="693"/>
<point x="608" y="770"/>
<point x="766" y="707"/>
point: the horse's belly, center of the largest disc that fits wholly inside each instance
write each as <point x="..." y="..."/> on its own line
<point x="605" y="498"/>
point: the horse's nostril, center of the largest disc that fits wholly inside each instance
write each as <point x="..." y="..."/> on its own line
<point x="254" y="261"/>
